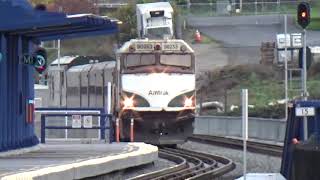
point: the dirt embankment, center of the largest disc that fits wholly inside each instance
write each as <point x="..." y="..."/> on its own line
<point x="215" y="83"/>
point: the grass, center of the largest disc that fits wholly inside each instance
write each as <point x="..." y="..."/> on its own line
<point x="262" y="92"/>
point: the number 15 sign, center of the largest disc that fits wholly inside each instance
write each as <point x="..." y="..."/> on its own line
<point x="305" y="111"/>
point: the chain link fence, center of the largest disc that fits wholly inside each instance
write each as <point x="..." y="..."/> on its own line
<point x="229" y="8"/>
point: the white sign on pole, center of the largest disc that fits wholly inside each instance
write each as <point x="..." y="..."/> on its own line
<point x="296" y="40"/>
<point x="76" y="121"/>
<point x="283" y="40"/>
<point x="305" y="111"/>
<point x="293" y="40"/>
<point x="87" y="121"/>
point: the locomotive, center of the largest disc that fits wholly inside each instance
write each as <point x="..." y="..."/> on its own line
<point x="152" y="82"/>
<point x="156" y="87"/>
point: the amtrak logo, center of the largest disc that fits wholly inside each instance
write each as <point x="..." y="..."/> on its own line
<point x="158" y="93"/>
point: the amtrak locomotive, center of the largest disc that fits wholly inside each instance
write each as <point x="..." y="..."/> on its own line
<point x="156" y="87"/>
<point x="151" y="82"/>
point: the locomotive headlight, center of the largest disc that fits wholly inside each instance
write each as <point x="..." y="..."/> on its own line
<point x="188" y="102"/>
<point x="128" y="102"/>
<point x="183" y="100"/>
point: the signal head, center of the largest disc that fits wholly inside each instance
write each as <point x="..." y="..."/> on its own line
<point x="303" y="14"/>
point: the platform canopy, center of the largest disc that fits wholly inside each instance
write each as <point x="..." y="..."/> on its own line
<point x="19" y="18"/>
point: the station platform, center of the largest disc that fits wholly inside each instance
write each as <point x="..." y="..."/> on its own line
<point x="67" y="160"/>
<point x="263" y="176"/>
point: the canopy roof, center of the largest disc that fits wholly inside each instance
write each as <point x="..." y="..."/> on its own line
<point x="19" y="18"/>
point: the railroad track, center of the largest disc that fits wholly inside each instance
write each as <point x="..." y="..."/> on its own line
<point x="189" y="165"/>
<point x="252" y="146"/>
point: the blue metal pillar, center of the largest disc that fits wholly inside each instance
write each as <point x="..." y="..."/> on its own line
<point x="17" y="83"/>
<point x="3" y="96"/>
<point x="12" y="91"/>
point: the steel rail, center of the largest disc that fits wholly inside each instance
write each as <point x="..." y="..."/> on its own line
<point x="180" y="161"/>
<point x="253" y="146"/>
<point x="210" y="163"/>
<point x="197" y="164"/>
<point x="223" y="166"/>
<point x="191" y="165"/>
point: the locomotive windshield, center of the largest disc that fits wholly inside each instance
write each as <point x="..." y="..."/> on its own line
<point x="176" y="60"/>
<point x="132" y="60"/>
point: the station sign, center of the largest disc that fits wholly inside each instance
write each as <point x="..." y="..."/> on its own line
<point x="76" y="121"/>
<point x="305" y="111"/>
<point x="87" y="121"/>
<point x="27" y="59"/>
<point x="37" y="59"/>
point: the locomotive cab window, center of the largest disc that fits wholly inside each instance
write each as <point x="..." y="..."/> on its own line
<point x="183" y="60"/>
<point x="134" y="60"/>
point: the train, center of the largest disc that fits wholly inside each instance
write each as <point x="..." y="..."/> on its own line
<point x="152" y="82"/>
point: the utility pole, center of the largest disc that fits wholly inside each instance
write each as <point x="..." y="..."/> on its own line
<point x="305" y="91"/>
<point x="286" y="66"/>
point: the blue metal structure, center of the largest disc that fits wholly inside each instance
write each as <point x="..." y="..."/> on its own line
<point x="21" y="28"/>
<point x="106" y="118"/>
<point x="102" y="126"/>
<point x="294" y="129"/>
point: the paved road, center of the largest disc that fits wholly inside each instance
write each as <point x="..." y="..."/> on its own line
<point x="247" y="31"/>
<point x="240" y="38"/>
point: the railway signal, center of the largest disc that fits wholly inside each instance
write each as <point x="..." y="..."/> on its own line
<point x="303" y="14"/>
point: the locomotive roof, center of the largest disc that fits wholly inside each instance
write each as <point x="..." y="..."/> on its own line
<point x="134" y="42"/>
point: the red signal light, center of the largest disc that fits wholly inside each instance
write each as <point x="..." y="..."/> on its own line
<point x="303" y="14"/>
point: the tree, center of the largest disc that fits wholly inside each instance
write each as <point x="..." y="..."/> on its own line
<point x="127" y="15"/>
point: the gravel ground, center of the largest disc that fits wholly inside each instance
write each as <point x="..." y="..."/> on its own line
<point x="256" y="162"/>
<point x="132" y="172"/>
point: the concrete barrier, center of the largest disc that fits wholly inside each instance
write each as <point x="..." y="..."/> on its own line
<point x="259" y="128"/>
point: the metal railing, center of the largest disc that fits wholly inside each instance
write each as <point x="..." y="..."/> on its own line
<point x="102" y="125"/>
